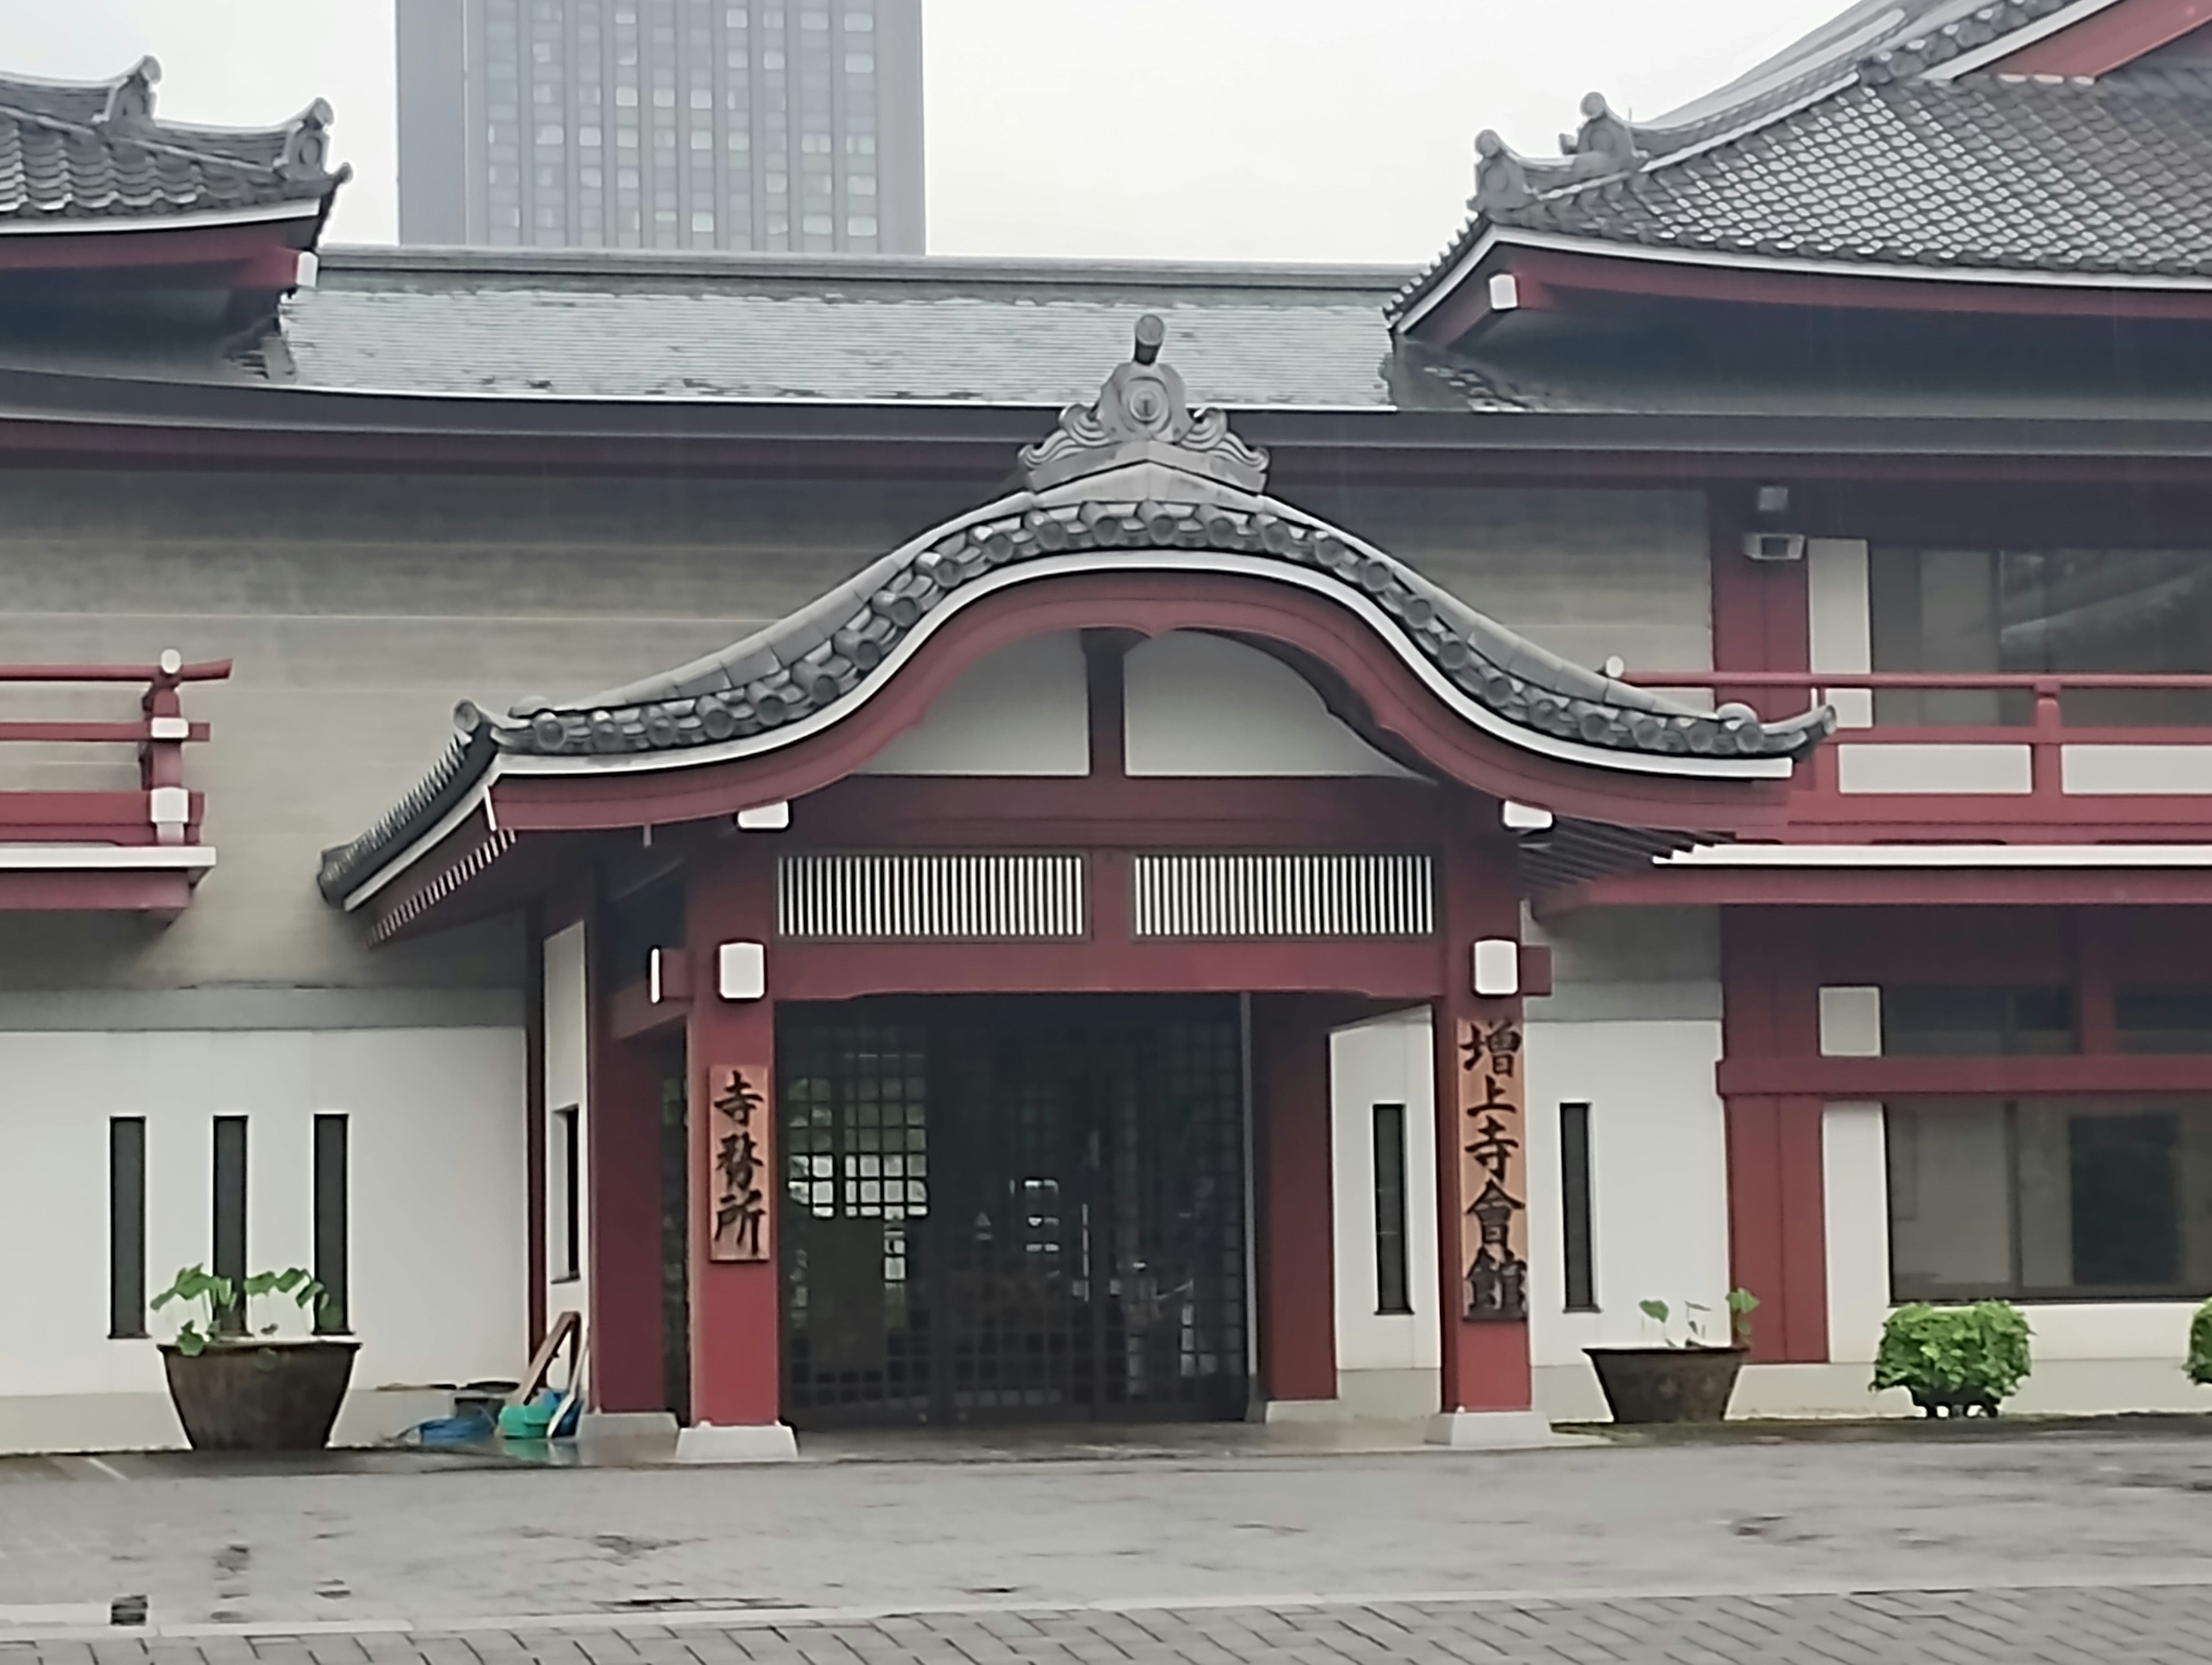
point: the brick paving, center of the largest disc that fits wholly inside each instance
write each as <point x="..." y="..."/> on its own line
<point x="2153" y="1625"/>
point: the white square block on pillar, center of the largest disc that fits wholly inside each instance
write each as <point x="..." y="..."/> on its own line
<point x="741" y="970"/>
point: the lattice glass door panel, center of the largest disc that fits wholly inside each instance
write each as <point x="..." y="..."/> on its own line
<point x="1064" y="1235"/>
<point x="853" y="1098"/>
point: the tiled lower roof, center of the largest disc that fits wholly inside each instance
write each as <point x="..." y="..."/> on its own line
<point x="1983" y="172"/>
<point x="1016" y="333"/>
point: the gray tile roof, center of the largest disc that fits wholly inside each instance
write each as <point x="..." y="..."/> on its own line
<point x="1849" y="150"/>
<point x="95" y="152"/>
<point x="2113" y="176"/>
<point x="1023" y="333"/>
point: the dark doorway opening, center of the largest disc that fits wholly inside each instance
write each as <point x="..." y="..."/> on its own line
<point x="675" y="1229"/>
<point x="1013" y="1209"/>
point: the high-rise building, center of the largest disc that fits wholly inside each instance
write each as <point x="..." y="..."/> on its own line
<point x="764" y="125"/>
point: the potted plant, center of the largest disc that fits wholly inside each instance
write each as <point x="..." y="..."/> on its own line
<point x="1954" y="1361"/>
<point x="239" y="1389"/>
<point x="1684" y="1381"/>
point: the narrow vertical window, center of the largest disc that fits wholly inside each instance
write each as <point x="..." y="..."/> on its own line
<point x="126" y="1225"/>
<point x="1575" y="1206"/>
<point x="332" y="1317"/>
<point x="230" y="1206"/>
<point x="1390" y="1289"/>
<point x="567" y="1196"/>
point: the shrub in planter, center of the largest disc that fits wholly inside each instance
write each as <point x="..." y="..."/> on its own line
<point x="2198" y="1367"/>
<point x="1954" y="1361"/>
<point x="236" y="1390"/>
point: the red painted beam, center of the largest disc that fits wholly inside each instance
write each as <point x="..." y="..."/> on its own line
<point x="262" y="253"/>
<point x="203" y="670"/>
<point x="1106" y="963"/>
<point x="89" y="732"/>
<point x="2106" y="41"/>
<point x="1757" y="281"/>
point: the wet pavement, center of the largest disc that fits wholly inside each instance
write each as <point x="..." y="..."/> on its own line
<point x="2029" y="1542"/>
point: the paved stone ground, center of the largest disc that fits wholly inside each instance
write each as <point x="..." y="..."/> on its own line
<point x="2082" y="1548"/>
<point x="2143" y="1627"/>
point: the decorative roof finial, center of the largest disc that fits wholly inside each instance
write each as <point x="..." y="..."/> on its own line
<point x="1142" y="414"/>
<point x="1603" y="144"/>
<point x="307" y="143"/>
<point x="131" y="100"/>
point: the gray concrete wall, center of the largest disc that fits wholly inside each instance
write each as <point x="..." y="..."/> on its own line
<point x="1586" y="573"/>
<point x="360" y="608"/>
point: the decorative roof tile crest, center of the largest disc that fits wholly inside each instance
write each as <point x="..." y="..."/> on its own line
<point x="1603" y="148"/>
<point x="1143" y="414"/>
<point x="830" y="651"/>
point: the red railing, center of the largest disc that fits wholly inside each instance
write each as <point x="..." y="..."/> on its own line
<point x="2046" y="734"/>
<point x="162" y="810"/>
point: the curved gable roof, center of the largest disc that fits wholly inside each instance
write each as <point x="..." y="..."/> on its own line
<point x="1137" y="481"/>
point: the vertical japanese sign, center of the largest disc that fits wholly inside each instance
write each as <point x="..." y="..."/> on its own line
<point x="1492" y="1171"/>
<point x="739" y="1141"/>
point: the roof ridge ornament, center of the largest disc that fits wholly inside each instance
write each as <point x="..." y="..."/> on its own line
<point x="1142" y="414"/>
<point x="130" y="100"/>
<point x="1605" y="146"/>
<point x="307" y="143"/>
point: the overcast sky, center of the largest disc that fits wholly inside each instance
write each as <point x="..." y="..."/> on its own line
<point x="1281" y="130"/>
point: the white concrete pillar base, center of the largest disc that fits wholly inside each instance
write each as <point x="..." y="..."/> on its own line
<point x="772" y="1441"/>
<point x="1492" y="1430"/>
<point x="629" y="1427"/>
<point x="1304" y="1410"/>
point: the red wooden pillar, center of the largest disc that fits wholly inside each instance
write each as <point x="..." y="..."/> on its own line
<point x="1297" y="1298"/>
<point x="1486" y="1362"/>
<point x="623" y="1128"/>
<point x="1777" y="1170"/>
<point x="735" y="1334"/>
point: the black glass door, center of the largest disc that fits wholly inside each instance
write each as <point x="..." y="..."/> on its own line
<point x="1023" y="1208"/>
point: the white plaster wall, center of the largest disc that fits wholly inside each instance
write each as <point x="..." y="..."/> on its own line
<point x="567" y="1073"/>
<point x="1200" y="705"/>
<point x="1987" y="771"/>
<point x="1022" y="710"/>
<point x="1385" y="1362"/>
<point x="1658" y="1183"/>
<point x="436" y="1215"/>
<point x="1841" y="620"/>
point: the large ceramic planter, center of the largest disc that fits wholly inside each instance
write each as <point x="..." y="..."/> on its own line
<point x="259" y="1395"/>
<point x="1668" y="1384"/>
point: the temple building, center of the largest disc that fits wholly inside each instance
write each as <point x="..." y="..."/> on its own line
<point x="936" y="842"/>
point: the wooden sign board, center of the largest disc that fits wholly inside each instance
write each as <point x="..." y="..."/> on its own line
<point x="1493" y="1171"/>
<point x="740" y="1163"/>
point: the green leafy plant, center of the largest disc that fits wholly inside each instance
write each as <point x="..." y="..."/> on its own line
<point x="1957" y="1360"/>
<point x="1740" y="1305"/>
<point x="2199" y="1364"/>
<point x="225" y="1304"/>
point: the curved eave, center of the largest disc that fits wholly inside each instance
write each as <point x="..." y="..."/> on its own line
<point x="1444" y="310"/>
<point x="1150" y="591"/>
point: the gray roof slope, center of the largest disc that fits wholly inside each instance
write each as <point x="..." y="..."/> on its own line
<point x="78" y="151"/>
<point x="1849" y="150"/>
<point x="2113" y="176"/>
<point x="626" y="326"/>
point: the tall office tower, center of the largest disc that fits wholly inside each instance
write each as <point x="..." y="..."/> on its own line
<point x="662" y="123"/>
